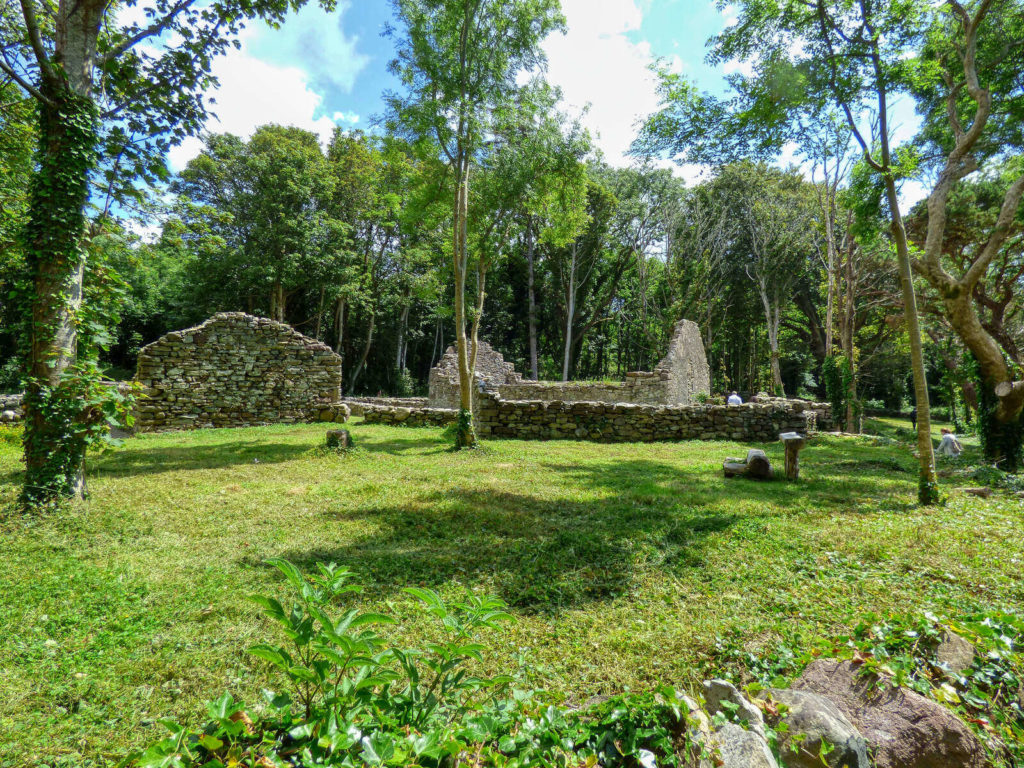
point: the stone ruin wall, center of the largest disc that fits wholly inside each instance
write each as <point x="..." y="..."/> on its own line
<point x="678" y="378"/>
<point x="491" y="370"/>
<point x="359" y="406"/>
<point x="237" y="370"/>
<point x="12" y="409"/>
<point x="822" y="411"/>
<point x="615" y="422"/>
<point x="631" y="422"/>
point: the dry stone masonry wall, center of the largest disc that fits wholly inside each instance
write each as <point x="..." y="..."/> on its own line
<point x="822" y="411"/>
<point x="11" y="408"/>
<point x="680" y="377"/>
<point x="491" y="371"/>
<point x="359" y="405"/>
<point x="400" y="416"/>
<point x="616" y="422"/>
<point x="237" y="370"/>
<point x="631" y="422"/>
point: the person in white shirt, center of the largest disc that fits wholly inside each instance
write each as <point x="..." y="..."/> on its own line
<point x="735" y="399"/>
<point x="949" y="446"/>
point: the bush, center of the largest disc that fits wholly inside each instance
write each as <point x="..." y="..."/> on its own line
<point x="353" y="700"/>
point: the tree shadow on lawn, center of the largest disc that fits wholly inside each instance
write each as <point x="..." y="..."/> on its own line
<point x="552" y="554"/>
<point x="426" y="445"/>
<point x="134" y="459"/>
<point x="149" y="461"/>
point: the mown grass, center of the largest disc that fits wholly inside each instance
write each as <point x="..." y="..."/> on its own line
<point x="626" y="565"/>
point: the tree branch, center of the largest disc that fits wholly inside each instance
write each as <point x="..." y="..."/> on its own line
<point x="156" y="28"/>
<point x="32" y="26"/>
<point x="8" y="70"/>
<point x="1007" y="214"/>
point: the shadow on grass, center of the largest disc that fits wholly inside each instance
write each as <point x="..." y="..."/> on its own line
<point x="557" y="553"/>
<point x="155" y="460"/>
<point x="424" y="445"/>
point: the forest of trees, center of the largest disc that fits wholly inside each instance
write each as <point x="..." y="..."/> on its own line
<point x="478" y="209"/>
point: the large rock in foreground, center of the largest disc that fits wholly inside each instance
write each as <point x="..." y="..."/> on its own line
<point x="815" y="726"/>
<point x="903" y="728"/>
<point x="732" y="746"/>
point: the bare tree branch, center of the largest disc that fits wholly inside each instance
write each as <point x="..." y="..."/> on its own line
<point x="156" y="28"/>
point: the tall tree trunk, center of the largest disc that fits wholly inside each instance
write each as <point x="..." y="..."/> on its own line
<point x="466" y="436"/>
<point x="928" y="492"/>
<point x="773" y="348"/>
<point x="773" y="317"/>
<point x="320" y="313"/>
<point x="830" y="245"/>
<point x="277" y="301"/>
<point x="54" y="439"/>
<point x="846" y="338"/>
<point x="532" y="314"/>
<point x="339" y="325"/>
<point x="403" y="321"/>
<point x="339" y="331"/>
<point x="481" y="284"/>
<point x="366" y="348"/>
<point x="570" y="314"/>
<point x="54" y="461"/>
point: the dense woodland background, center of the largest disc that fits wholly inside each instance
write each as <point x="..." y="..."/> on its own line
<point x="349" y="244"/>
<point x="577" y="270"/>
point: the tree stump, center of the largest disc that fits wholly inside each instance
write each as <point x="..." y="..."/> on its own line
<point x="339" y="438"/>
<point x="793" y="442"/>
<point x="755" y="466"/>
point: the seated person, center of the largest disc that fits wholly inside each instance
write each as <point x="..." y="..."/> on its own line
<point x="735" y="399"/>
<point x="949" y="446"/>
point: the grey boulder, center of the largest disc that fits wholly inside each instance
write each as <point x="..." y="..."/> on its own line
<point x="732" y="746"/>
<point x="903" y="728"/>
<point x="718" y="691"/>
<point x="814" y="727"/>
<point x="955" y="653"/>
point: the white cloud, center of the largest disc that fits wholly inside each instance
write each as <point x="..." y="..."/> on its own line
<point x="253" y="93"/>
<point x="254" y="90"/>
<point x="730" y="15"/>
<point x="745" y="68"/>
<point x="596" y="63"/>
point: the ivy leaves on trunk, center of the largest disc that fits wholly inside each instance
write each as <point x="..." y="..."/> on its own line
<point x="111" y="97"/>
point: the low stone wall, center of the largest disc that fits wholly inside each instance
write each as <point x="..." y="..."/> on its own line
<point x="630" y="422"/>
<point x="359" y="405"/>
<point x="409" y="417"/>
<point x="822" y="411"/>
<point x="237" y="370"/>
<point x="12" y="409"/>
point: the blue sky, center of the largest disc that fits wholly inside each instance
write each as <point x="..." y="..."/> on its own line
<point x="320" y="70"/>
<point x="324" y="69"/>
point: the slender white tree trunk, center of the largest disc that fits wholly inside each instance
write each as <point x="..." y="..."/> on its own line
<point x="569" y="314"/>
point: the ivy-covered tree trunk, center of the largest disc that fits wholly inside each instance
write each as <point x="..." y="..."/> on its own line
<point x="1001" y="438"/>
<point x="56" y="420"/>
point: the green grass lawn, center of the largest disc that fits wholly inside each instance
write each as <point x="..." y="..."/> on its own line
<point x="626" y="565"/>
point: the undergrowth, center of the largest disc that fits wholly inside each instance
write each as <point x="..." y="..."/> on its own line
<point x="349" y="699"/>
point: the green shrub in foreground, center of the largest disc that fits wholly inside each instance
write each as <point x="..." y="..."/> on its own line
<point x="354" y="701"/>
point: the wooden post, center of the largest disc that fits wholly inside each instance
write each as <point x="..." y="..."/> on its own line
<point x="793" y="442"/>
